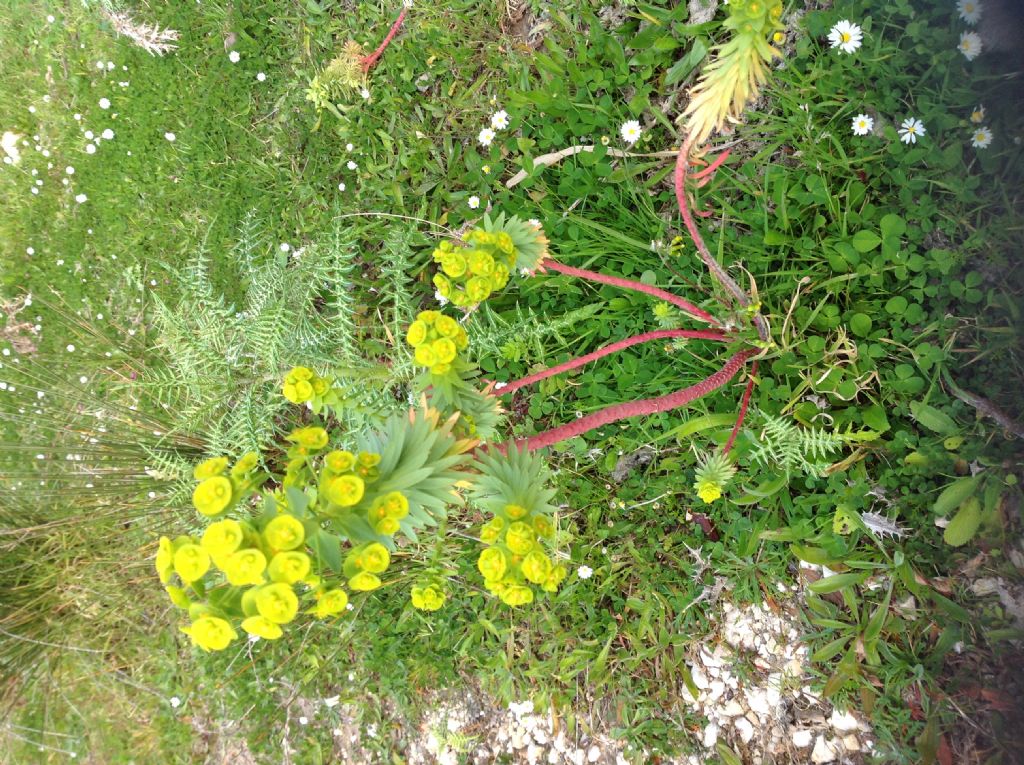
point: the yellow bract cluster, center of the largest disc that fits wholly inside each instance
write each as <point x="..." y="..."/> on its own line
<point x="437" y="339"/>
<point x="269" y="564"/>
<point x="364" y="563"/>
<point x="218" y="489"/>
<point x="469" y="275"/>
<point x="302" y="384"/>
<point x="515" y="556"/>
<point x="427" y="596"/>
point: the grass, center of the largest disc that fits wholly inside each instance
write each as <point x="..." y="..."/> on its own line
<point x="881" y="267"/>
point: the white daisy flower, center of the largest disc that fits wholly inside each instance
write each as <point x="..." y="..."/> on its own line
<point x="89" y="135"/>
<point x="473" y="202"/>
<point x="630" y="131"/>
<point x="846" y="36"/>
<point x="170" y="137"/>
<point x="970" y="10"/>
<point x="365" y="94"/>
<point x="31" y="110"/>
<point x="970" y="45"/>
<point x="349" y="147"/>
<point x="351" y="165"/>
<point x="978" y="115"/>
<point x="79" y="198"/>
<point x="285" y="247"/>
<point x="107" y="134"/>
<point x="90" y="148"/>
<point x="50" y="19"/>
<point x="862" y="124"/>
<point x="485" y="137"/>
<point x="584" y="572"/>
<point x="260" y="77"/>
<point x="104" y="103"/>
<point x="911" y="129"/>
<point x="234" y="57"/>
<point x="982" y="138"/>
<point x="499" y="120"/>
<point x="341" y="186"/>
<point x="69" y="170"/>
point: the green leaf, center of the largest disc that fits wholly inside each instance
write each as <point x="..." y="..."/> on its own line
<point x="865" y="241"/>
<point x="892" y="225"/>
<point x="954" y="495"/>
<point x="682" y="68"/>
<point x="729" y="757"/>
<point x="327" y="548"/>
<point x="934" y="419"/>
<point x="836" y="582"/>
<point x="875" y="418"/>
<point x="829" y="650"/>
<point x="860" y="324"/>
<point x="816" y="555"/>
<point x="964" y="525"/>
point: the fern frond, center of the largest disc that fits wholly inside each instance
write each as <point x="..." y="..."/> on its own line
<point x="785" y="445"/>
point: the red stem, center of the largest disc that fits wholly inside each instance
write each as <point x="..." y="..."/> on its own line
<point x="637" y="408"/>
<point x="699" y="334"/>
<point x="744" y="403"/>
<point x="369" y="61"/>
<point x="629" y="284"/>
<point x="717" y="163"/>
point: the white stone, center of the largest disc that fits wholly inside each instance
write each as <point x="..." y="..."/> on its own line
<point x="843" y="721"/>
<point x="801" y="738"/>
<point x="851" y="743"/>
<point x="745" y="729"/>
<point x="710" y="735"/>
<point x="594" y="754"/>
<point x="715" y="690"/>
<point x="533" y="753"/>
<point x="553" y="756"/>
<point x="576" y="757"/>
<point x="700" y="679"/>
<point x="733" y="709"/>
<point x="518" y="740"/>
<point x="823" y="751"/>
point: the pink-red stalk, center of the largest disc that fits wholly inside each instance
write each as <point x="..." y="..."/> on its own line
<point x="369" y="61"/>
<point x="744" y="403"/>
<point x="661" y="334"/>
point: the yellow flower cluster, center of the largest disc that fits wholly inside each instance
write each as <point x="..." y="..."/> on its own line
<point x="345" y="476"/>
<point x="515" y="556"/>
<point x="302" y="384"/>
<point x="469" y="275"/>
<point x="218" y="489"/>
<point x="437" y="340"/>
<point x="427" y="596"/>
<point x="269" y="563"/>
<point x="364" y="563"/>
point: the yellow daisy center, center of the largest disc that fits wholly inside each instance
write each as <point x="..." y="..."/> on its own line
<point x="845" y="36"/>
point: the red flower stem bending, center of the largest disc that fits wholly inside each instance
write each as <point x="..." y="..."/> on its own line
<point x="716" y="270"/>
<point x="744" y="403"/>
<point x="699" y="334"/>
<point x="717" y="163"/>
<point x="369" y="61"/>
<point x="629" y="284"/>
<point x="637" y="408"/>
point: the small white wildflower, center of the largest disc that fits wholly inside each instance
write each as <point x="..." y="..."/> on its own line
<point x="80" y="198"/>
<point x="499" y="120"/>
<point x="175" y="702"/>
<point x="90" y="148"/>
<point x="260" y="76"/>
<point x="970" y="45"/>
<point x="846" y="36"/>
<point x="35" y="190"/>
<point x="107" y="134"/>
<point x="50" y="19"/>
<point x="911" y="129"/>
<point x="349" y="147"/>
<point x="71" y="347"/>
<point x="473" y="202"/>
<point x="284" y="247"/>
<point x="170" y="137"/>
<point x="30" y="250"/>
<point x="104" y="103"/>
<point x="69" y="170"/>
<point x="351" y="165"/>
<point x="78" y="117"/>
<point x="584" y="572"/>
<point x="970" y="10"/>
<point x="365" y="94"/>
<point x="485" y="137"/>
<point x="89" y="135"/>
<point x="31" y="110"/>
<point x="982" y="138"/>
<point x="110" y="66"/>
<point x="234" y="57"/>
<point x="332" y="701"/>
<point x="341" y="186"/>
<point x="630" y="131"/>
<point x="978" y="115"/>
<point x="303" y="720"/>
<point x="862" y="124"/>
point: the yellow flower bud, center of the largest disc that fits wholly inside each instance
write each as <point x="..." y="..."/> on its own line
<point x="428" y="317"/>
<point x="245" y="567"/>
<point x="444" y="287"/>
<point x="536" y="567"/>
<point x="289" y="567"/>
<point x="245" y="464"/>
<point x="481" y="263"/>
<point x="374" y="558"/>
<point x="554" y="579"/>
<point x="369" y="459"/>
<point x="478" y="289"/>
<point x="515" y="512"/>
<point x="262" y="627"/>
<point x="191" y="562"/>
<point x="222" y="538"/>
<point x="447" y="327"/>
<point x="709" y="491"/>
<point x="285" y="532"/>
<point x="425" y="356"/>
<point x="345" y="490"/>
<point x="387" y="526"/>
<point x="364" y="581"/>
<point x="340" y="462"/>
<point x="330" y="603"/>
<point x="210" y="468"/>
<point x="543" y="525"/>
<point x="492" y="563"/>
<point x="165" y="560"/>
<point x="454" y="265"/>
<point x="416" y="333"/>
<point x="212" y="496"/>
<point x="298" y="392"/>
<point x="300" y="373"/>
<point x="444" y="350"/>
<point x="520" y="538"/>
<point x="178" y="597"/>
<point x="311" y="437"/>
<point x="211" y="633"/>
<point x="517" y="595"/>
<point x="429" y="598"/>
<point x="277" y="603"/>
